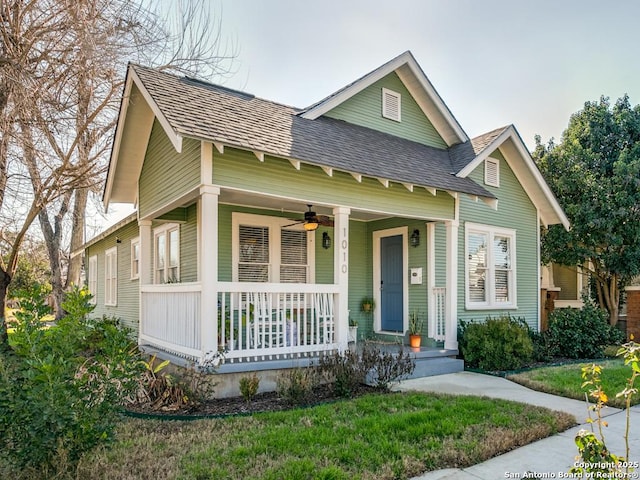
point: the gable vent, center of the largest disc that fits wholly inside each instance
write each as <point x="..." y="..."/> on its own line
<point x="492" y="172"/>
<point x="391" y="104"/>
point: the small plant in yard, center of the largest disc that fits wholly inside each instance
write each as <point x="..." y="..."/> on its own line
<point x="595" y="458"/>
<point x="159" y="390"/>
<point x="296" y="385"/>
<point x="249" y="387"/>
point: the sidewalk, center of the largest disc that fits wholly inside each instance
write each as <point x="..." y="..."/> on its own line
<point x="547" y="458"/>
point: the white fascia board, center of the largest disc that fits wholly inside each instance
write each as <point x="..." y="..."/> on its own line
<point x="174" y="137"/>
<point x="336" y="99"/>
<point x="499" y="140"/>
<point x="117" y="140"/>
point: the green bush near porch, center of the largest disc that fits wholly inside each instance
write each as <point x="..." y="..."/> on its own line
<point x="501" y="343"/>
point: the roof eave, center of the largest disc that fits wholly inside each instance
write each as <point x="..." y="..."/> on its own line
<point x="125" y="141"/>
<point x="552" y="212"/>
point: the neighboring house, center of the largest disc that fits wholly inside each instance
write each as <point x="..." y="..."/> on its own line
<point x="260" y="227"/>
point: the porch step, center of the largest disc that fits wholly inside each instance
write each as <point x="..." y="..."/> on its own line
<point x="432" y="366"/>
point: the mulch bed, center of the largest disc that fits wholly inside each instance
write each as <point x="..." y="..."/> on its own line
<point x="262" y="402"/>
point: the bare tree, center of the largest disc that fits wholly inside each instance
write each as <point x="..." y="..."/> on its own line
<point x="62" y="64"/>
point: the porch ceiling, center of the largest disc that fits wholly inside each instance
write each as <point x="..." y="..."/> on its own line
<point x="291" y="205"/>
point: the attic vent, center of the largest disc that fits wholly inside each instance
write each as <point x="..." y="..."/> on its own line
<point x="492" y="172"/>
<point x="391" y="104"/>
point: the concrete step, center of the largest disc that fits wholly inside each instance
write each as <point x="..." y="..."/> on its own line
<point x="429" y="367"/>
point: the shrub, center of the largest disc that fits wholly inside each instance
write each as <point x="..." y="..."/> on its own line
<point x="249" y="387"/>
<point x="295" y="386"/>
<point x="501" y="343"/>
<point x="61" y="388"/>
<point x="385" y="368"/>
<point x="581" y="333"/>
<point x="348" y="370"/>
<point x="344" y="371"/>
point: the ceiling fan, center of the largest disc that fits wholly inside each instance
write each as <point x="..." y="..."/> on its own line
<point x="311" y="220"/>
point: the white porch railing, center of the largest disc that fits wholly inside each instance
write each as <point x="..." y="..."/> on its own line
<point x="258" y="321"/>
<point x="255" y="321"/>
<point x="437" y="323"/>
<point x="170" y="317"/>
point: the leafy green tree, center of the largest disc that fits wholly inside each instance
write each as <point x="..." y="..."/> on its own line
<point x="595" y="173"/>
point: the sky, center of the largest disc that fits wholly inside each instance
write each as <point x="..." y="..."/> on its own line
<point x="493" y="62"/>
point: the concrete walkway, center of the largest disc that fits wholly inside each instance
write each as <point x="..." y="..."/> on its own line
<point x="548" y="458"/>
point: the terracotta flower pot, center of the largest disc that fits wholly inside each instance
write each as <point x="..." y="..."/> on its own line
<point x="414" y="341"/>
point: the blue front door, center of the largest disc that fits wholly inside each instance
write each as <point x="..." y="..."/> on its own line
<point x="391" y="284"/>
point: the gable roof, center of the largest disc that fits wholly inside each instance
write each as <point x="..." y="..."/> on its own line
<point x="190" y="108"/>
<point x="466" y="157"/>
<point x="415" y="80"/>
<point x="186" y="107"/>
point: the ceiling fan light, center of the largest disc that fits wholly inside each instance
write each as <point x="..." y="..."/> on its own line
<point x="310" y="226"/>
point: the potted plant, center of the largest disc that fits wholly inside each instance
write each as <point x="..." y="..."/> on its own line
<point x="367" y="305"/>
<point x="415" y="330"/>
<point x="353" y="330"/>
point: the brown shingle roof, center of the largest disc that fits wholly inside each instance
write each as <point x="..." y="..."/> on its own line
<point x="202" y="110"/>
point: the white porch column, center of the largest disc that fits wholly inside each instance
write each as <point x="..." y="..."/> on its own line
<point x="146" y="242"/>
<point x="451" y="307"/>
<point x="208" y="267"/>
<point x="341" y="273"/>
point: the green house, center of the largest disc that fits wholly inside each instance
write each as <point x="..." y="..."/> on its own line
<point x="260" y="227"/>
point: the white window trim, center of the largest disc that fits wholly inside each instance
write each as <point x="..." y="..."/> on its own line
<point x="165" y="230"/>
<point x="274" y="224"/>
<point x="135" y="275"/>
<point x="108" y="299"/>
<point x="487" y="180"/>
<point x="92" y="278"/>
<point x="491" y="303"/>
<point x="386" y="92"/>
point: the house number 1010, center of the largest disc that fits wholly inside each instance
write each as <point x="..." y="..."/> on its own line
<point x="344" y="244"/>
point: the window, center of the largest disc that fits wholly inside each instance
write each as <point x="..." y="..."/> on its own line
<point x="270" y="249"/>
<point x="167" y="254"/>
<point x="391" y="104"/>
<point x="111" y="277"/>
<point x="492" y="172"/>
<point x="135" y="258"/>
<point x="490" y="267"/>
<point x="93" y="277"/>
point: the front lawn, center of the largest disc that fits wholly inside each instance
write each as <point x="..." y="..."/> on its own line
<point x="566" y="380"/>
<point x="380" y="436"/>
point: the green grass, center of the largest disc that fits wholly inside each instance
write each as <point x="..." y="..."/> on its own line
<point x="566" y="380"/>
<point x="393" y="436"/>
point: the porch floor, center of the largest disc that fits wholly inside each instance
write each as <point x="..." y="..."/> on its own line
<point x="430" y="361"/>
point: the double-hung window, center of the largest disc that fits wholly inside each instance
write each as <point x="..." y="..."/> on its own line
<point x="135" y="258"/>
<point x="111" y="277"/>
<point x="92" y="277"/>
<point x="490" y="267"/>
<point x="270" y="249"/>
<point x="167" y="253"/>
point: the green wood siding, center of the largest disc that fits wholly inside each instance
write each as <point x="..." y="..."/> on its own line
<point x="127" y="308"/>
<point x="239" y="169"/>
<point x="365" y="109"/>
<point x="189" y="246"/>
<point x="166" y="174"/>
<point x="515" y="211"/>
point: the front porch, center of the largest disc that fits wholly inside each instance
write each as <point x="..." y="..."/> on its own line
<point x="254" y="323"/>
<point x="264" y="287"/>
